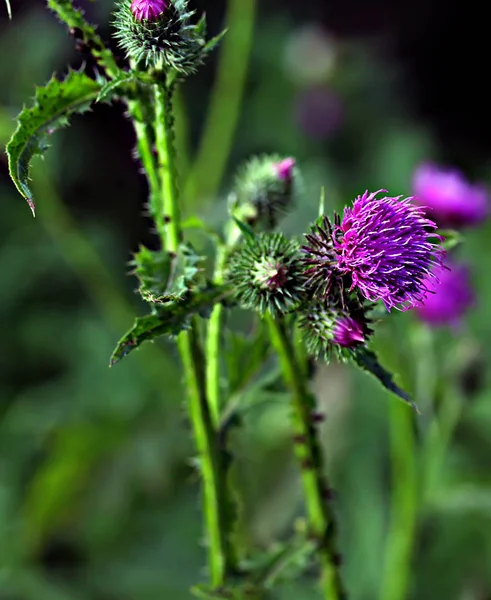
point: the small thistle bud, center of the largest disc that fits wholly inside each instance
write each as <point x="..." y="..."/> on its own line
<point x="265" y="188"/>
<point x="328" y="329"/>
<point x="159" y="33"/>
<point x="266" y="274"/>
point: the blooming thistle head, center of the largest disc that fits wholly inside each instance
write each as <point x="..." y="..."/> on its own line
<point x="384" y="245"/>
<point x="452" y="296"/>
<point x="328" y="329"/>
<point x="160" y="34"/>
<point x="448" y="197"/>
<point x="266" y="274"/>
<point x="264" y="189"/>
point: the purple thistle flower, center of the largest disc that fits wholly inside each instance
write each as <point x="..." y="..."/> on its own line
<point x="449" y="198"/>
<point x="348" y="332"/>
<point x="452" y="295"/>
<point x="148" y="10"/>
<point x="284" y="169"/>
<point x="383" y="243"/>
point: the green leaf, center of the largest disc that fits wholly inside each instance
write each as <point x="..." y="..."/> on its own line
<point x="153" y="270"/>
<point x="368" y="361"/>
<point x="451" y="238"/>
<point x="245" y="356"/>
<point x="109" y="88"/>
<point x="169" y="319"/>
<point x="246" y="229"/>
<point x="74" y="19"/>
<point x="53" y="104"/>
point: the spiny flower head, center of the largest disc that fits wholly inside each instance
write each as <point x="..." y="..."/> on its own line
<point x="385" y="245"/>
<point x="264" y="189"/>
<point x="266" y="274"/>
<point x="448" y="197"/>
<point x="452" y="296"/>
<point x="329" y="329"/>
<point x="320" y="259"/>
<point x="160" y="34"/>
<point x="148" y="9"/>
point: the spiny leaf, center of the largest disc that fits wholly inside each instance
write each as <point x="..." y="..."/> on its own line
<point x="168" y="319"/>
<point x="368" y="361"/>
<point x="109" y="88"/>
<point x="53" y="103"/>
<point x="80" y="28"/>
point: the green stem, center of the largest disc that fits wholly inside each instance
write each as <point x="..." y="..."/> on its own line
<point x="225" y="103"/>
<point x="144" y="145"/>
<point x="214" y="334"/>
<point x="206" y="439"/>
<point x="309" y="455"/>
<point x="215" y="325"/>
<point x="404" y="503"/>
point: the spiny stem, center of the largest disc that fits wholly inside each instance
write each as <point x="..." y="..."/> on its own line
<point x="205" y="434"/>
<point x="215" y="324"/>
<point x="308" y="453"/>
<point x="144" y="141"/>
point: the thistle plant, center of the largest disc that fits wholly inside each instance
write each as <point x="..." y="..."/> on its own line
<point x="318" y="294"/>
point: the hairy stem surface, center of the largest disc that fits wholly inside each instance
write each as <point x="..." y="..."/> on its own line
<point x="308" y="453"/>
<point x="205" y="435"/>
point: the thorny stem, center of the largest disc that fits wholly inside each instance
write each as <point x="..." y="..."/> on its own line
<point x="215" y="325"/>
<point x="144" y="148"/>
<point x="308" y="453"/>
<point x="205" y="435"/>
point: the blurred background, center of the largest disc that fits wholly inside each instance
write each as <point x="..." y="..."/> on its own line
<point x="98" y="498"/>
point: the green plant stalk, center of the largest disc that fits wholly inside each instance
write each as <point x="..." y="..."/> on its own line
<point x="225" y="103"/>
<point x="309" y="456"/>
<point x="144" y="143"/>
<point x="404" y="503"/>
<point x="215" y="325"/>
<point x="206" y="439"/>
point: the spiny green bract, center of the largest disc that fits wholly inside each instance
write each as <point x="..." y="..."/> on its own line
<point x="169" y="42"/>
<point x="261" y="196"/>
<point x="266" y="274"/>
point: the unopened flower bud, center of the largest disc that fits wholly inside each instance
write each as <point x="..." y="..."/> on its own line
<point x="329" y="329"/>
<point x="265" y="188"/>
<point x="266" y="274"/>
<point x="160" y="34"/>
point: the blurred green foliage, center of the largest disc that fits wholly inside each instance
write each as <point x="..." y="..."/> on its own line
<point x="98" y="499"/>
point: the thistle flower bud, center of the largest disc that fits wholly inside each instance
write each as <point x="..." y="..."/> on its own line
<point x="265" y="188"/>
<point x="266" y="274"/>
<point x="329" y="329"/>
<point x="159" y="33"/>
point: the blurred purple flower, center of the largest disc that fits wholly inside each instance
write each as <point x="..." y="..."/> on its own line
<point x="383" y="243"/>
<point x="284" y="169"/>
<point x="452" y="295"/>
<point x="148" y="10"/>
<point x="318" y="112"/>
<point x="450" y="199"/>
<point x="348" y="332"/>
